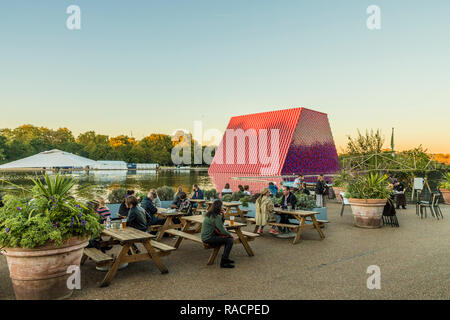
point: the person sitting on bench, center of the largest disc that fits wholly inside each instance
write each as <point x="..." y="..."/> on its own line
<point x="214" y="234"/>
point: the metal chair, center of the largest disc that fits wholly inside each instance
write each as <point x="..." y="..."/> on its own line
<point x="344" y="203"/>
<point x="436" y="208"/>
<point x="434" y="202"/>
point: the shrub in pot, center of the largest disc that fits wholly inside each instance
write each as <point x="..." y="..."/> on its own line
<point x="165" y="193"/>
<point x="307" y="202"/>
<point x="42" y="233"/>
<point x="367" y="196"/>
<point x="445" y="188"/>
<point x="211" y="194"/>
<point x="117" y="195"/>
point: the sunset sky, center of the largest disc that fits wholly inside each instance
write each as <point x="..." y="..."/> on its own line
<point x="155" y="66"/>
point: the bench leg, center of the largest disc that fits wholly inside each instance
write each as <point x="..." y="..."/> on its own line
<point x="213" y="255"/>
<point x="244" y="242"/>
<point x="155" y="257"/>
<point x="112" y="272"/>
<point x="165" y="227"/>
<point x="83" y="259"/>
<point x="299" y="230"/>
<point x="316" y="225"/>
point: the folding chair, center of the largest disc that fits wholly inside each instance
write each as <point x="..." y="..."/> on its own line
<point x="436" y="208"/>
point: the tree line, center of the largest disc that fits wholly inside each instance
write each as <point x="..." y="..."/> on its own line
<point x="27" y="140"/>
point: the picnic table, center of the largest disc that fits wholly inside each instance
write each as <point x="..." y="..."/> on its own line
<point x="231" y="209"/>
<point x="169" y="224"/>
<point x="302" y="216"/>
<point x="201" y="204"/>
<point x="126" y="238"/>
<point x="243" y="237"/>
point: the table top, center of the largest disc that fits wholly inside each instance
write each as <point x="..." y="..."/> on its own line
<point x="199" y="219"/>
<point x="163" y="212"/>
<point x="127" y="234"/>
<point x="231" y="204"/>
<point x="295" y="212"/>
<point x="198" y="200"/>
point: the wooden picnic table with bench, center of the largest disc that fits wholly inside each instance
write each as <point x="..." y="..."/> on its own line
<point x="231" y="209"/>
<point x="243" y="237"/>
<point x="126" y="238"/>
<point x="302" y="216"/>
<point x="169" y="223"/>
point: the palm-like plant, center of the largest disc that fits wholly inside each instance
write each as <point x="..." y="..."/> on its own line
<point x="446" y="182"/>
<point x="372" y="186"/>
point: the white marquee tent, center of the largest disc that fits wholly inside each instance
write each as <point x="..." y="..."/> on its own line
<point x="51" y="159"/>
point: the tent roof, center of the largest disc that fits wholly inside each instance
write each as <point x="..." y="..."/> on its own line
<point x="50" y="159"/>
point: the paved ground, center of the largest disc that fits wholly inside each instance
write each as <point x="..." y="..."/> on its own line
<point x="414" y="261"/>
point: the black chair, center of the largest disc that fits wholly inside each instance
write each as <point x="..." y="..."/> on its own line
<point x="436" y="208"/>
<point x="389" y="214"/>
<point x="432" y="204"/>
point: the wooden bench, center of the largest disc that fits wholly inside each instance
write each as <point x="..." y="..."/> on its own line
<point x="162" y="248"/>
<point x="101" y="259"/>
<point x="250" y="235"/>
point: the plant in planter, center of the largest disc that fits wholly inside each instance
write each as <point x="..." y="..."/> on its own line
<point x="304" y="201"/>
<point x="117" y="195"/>
<point x="42" y="233"/>
<point x="211" y="194"/>
<point x="165" y="193"/>
<point x="445" y="188"/>
<point x="340" y="183"/>
<point x="367" y="196"/>
<point x="227" y="198"/>
<point x="244" y="201"/>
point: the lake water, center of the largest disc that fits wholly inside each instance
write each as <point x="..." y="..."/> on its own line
<point x="102" y="182"/>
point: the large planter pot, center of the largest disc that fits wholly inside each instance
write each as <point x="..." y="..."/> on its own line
<point x="446" y="195"/>
<point x="337" y="193"/>
<point x="367" y="213"/>
<point x="41" y="273"/>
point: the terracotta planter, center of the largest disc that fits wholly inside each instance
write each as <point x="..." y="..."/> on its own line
<point x="41" y="273"/>
<point x="367" y="213"/>
<point x="446" y="195"/>
<point x="337" y="193"/>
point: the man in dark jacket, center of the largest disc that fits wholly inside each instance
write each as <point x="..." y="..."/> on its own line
<point x="147" y="205"/>
<point x="288" y="198"/>
<point x="399" y="187"/>
<point x="198" y="193"/>
<point x="137" y="217"/>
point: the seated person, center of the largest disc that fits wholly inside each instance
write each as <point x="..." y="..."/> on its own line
<point x="151" y="209"/>
<point x="179" y="191"/>
<point x="241" y="188"/>
<point x="103" y="210"/>
<point x="198" y="193"/>
<point x="155" y="199"/>
<point x="215" y="234"/>
<point x="287" y="198"/>
<point x="226" y="190"/>
<point x="273" y="189"/>
<point x="136" y="217"/>
<point x="247" y="190"/>
<point x="123" y="210"/>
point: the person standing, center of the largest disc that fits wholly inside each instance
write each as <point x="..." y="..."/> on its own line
<point x="273" y="189"/>
<point x="399" y="187"/>
<point x="214" y="233"/>
<point x="298" y="182"/>
<point x="321" y="190"/>
<point x="264" y="212"/>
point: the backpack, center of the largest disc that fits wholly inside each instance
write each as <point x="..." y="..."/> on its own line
<point x="186" y="207"/>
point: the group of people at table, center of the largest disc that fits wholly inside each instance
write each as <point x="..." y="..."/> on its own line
<point x="144" y="214"/>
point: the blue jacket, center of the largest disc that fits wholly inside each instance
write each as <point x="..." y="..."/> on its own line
<point x="198" y="194"/>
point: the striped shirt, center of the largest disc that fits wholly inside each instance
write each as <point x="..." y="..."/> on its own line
<point x="104" y="213"/>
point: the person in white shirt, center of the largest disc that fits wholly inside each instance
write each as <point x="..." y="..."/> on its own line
<point x="227" y="190"/>
<point x="298" y="182"/>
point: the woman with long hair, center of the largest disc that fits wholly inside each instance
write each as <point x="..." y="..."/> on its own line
<point x="264" y="212"/>
<point x="214" y="233"/>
